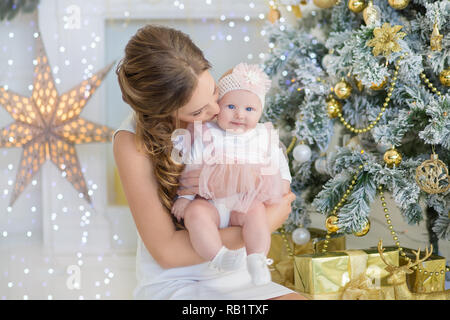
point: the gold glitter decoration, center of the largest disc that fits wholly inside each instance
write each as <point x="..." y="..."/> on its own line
<point x="385" y="40"/>
<point x="356" y="6"/>
<point x="371" y="14"/>
<point x="331" y="224"/>
<point x="392" y="157"/>
<point x="444" y="77"/>
<point x="436" y="39"/>
<point x="432" y="176"/>
<point x="334" y="107"/>
<point x="342" y="89"/>
<point x="398" y="4"/>
<point x="297" y="11"/>
<point x="364" y="230"/>
<point x="47" y="125"/>
<point x="273" y="15"/>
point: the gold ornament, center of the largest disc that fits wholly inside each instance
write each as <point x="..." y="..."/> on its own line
<point x="331" y="224"/>
<point x="385" y="40"/>
<point x="356" y="6"/>
<point x="432" y="176"/>
<point x="444" y="77"/>
<point x="371" y="14"/>
<point x="436" y="39"/>
<point x="359" y="84"/>
<point x="342" y="89"/>
<point x="273" y="15"/>
<point x="324" y="4"/>
<point x="333" y="107"/>
<point x="297" y="12"/>
<point x="47" y="125"/>
<point x="398" y="4"/>
<point x="380" y="86"/>
<point x="304" y="2"/>
<point x="392" y="157"/>
<point x="364" y="230"/>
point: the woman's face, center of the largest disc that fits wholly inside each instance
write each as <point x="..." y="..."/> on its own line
<point x="203" y="104"/>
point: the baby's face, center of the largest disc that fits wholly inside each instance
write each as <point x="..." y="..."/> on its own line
<point x="240" y="110"/>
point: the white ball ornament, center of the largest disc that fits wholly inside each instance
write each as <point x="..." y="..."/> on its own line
<point x="302" y="153"/>
<point x="301" y="236"/>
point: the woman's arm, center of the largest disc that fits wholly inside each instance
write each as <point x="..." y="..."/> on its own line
<point x="169" y="247"/>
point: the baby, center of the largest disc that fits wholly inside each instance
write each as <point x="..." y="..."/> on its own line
<point x="241" y="157"/>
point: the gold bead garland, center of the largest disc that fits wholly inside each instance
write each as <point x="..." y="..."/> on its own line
<point x="395" y="237"/>
<point x="286" y="242"/>
<point x="340" y="204"/>
<point x="388" y="221"/>
<point x="429" y="84"/>
<point x="383" y="108"/>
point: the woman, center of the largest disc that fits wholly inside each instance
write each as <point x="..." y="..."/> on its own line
<point x="165" y="78"/>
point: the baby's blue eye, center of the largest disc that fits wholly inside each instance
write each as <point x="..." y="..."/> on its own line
<point x="249" y="108"/>
<point x="231" y="106"/>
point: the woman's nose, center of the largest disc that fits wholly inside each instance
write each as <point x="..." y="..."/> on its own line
<point x="214" y="109"/>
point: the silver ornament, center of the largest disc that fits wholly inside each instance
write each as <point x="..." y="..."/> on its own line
<point x="321" y="165"/>
<point x="301" y="236"/>
<point x="328" y="60"/>
<point x="302" y="153"/>
<point x="382" y="148"/>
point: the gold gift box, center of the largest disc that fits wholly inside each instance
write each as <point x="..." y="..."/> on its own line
<point x="282" y="267"/>
<point x="431" y="281"/>
<point x="345" y="274"/>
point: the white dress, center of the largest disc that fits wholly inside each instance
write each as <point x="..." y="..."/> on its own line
<point x="196" y="282"/>
<point x="247" y="147"/>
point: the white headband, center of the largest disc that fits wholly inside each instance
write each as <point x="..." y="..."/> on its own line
<point x="246" y="77"/>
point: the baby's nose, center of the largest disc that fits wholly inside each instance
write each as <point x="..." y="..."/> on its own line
<point x="239" y="114"/>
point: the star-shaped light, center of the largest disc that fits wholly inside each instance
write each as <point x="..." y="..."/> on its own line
<point x="385" y="40"/>
<point x="47" y="125"/>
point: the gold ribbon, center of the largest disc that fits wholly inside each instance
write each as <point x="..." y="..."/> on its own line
<point x="346" y="275"/>
<point x="360" y="286"/>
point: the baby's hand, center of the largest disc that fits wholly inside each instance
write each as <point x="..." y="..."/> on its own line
<point x="285" y="186"/>
<point x="179" y="206"/>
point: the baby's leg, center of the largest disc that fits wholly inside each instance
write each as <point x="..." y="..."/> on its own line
<point x="256" y="235"/>
<point x="255" y="228"/>
<point x="201" y="219"/>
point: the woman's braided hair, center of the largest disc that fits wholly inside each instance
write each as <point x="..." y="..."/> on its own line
<point x="157" y="76"/>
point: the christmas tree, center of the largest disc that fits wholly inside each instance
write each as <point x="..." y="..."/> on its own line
<point x="379" y="72"/>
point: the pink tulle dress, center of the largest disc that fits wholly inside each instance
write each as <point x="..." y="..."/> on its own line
<point x="245" y="166"/>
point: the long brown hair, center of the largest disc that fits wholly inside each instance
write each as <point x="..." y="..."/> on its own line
<point x="157" y="76"/>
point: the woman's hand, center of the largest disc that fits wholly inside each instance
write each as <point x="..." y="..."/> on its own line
<point x="278" y="213"/>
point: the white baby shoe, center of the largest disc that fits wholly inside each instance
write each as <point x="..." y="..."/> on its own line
<point x="258" y="269"/>
<point x="227" y="260"/>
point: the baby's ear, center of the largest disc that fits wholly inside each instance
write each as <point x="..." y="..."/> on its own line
<point x="226" y="73"/>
